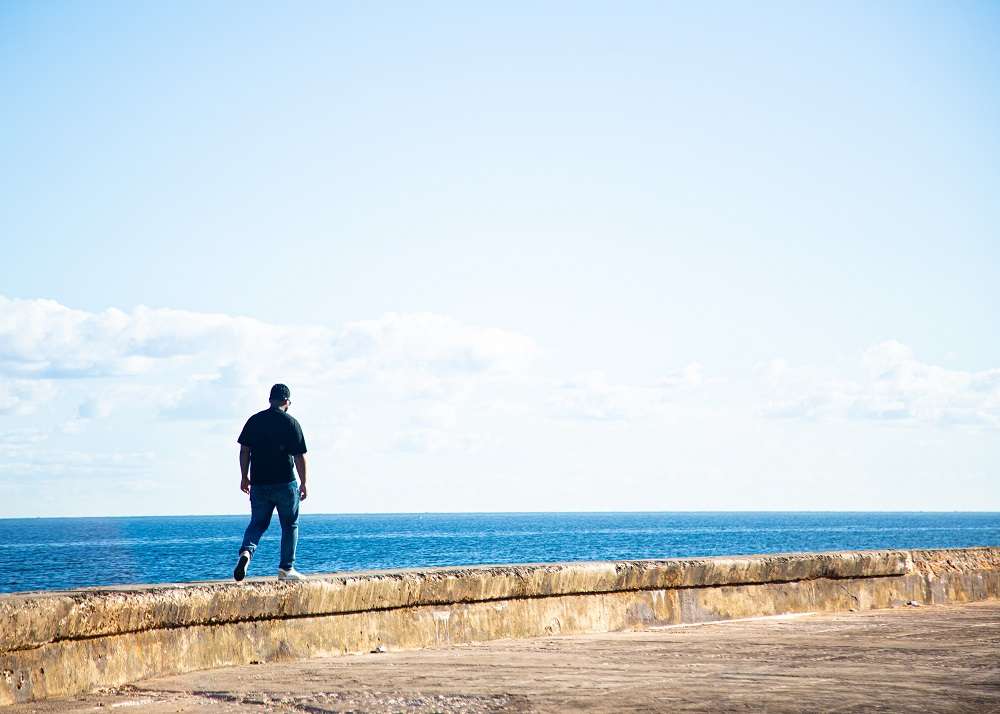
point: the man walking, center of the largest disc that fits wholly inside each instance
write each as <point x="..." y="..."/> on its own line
<point x="270" y="443"/>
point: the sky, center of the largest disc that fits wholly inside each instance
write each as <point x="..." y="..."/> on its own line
<point x="521" y="257"/>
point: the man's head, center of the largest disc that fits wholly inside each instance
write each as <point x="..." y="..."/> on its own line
<point x="281" y="397"/>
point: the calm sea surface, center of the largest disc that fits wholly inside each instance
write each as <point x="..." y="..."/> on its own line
<point x="55" y="553"/>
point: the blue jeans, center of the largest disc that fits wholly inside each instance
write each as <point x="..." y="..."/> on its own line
<point x="264" y="498"/>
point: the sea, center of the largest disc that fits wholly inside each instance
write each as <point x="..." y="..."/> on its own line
<point x="66" y="553"/>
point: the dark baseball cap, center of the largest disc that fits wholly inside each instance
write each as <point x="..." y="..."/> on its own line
<point x="279" y="392"/>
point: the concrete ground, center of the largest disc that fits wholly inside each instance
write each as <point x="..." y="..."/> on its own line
<point x="920" y="659"/>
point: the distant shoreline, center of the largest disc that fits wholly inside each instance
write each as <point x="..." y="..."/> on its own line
<point x="507" y="513"/>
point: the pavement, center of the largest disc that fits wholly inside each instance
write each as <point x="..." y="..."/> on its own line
<point x="942" y="658"/>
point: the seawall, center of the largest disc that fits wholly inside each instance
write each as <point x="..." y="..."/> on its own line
<point x="62" y="643"/>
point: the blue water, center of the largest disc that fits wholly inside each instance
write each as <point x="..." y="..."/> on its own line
<point x="58" y="553"/>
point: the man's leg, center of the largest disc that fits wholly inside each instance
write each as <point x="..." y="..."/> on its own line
<point x="287" y="502"/>
<point x="261" y="508"/>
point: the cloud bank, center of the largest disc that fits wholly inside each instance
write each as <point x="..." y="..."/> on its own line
<point x="155" y="397"/>
<point x="895" y="386"/>
<point x="200" y="362"/>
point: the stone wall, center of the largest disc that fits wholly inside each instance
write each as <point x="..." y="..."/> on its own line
<point x="62" y="643"/>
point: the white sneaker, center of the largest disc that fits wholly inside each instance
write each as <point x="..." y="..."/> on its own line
<point x="240" y="571"/>
<point x="290" y="574"/>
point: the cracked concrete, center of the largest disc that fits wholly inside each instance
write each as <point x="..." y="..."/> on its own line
<point x="29" y="620"/>
<point x="942" y="658"/>
<point x="58" y="644"/>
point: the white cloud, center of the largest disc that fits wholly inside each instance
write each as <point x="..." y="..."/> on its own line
<point x="437" y="425"/>
<point x="20" y="439"/>
<point x="41" y="338"/>
<point x="23" y="396"/>
<point x="205" y="365"/>
<point x="689" y="377"/>
<point x="433" y="343"/>
<point x="592" y="397"/>
<point x="895" y="387"/>
<point x="93" y="408"/>
<point x="91" y="397"/>
<point x="57" y="463"/>
<point x="432" y="440"/>
<point x="235" y="389"/>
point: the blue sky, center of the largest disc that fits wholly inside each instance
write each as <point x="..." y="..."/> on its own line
<point x="550" y="256"/>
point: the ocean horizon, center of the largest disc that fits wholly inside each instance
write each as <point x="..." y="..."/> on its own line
<point x="55" y="553"/>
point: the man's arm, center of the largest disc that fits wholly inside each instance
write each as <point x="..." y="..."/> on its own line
<point x="300" y="466"/>
<point x="245" y="468"/>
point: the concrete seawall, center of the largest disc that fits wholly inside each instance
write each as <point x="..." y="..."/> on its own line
<point x="62" y="643"/>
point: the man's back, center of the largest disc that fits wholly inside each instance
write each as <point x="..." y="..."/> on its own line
<point x="274" y="438"/>
<point x="270" y="443"/>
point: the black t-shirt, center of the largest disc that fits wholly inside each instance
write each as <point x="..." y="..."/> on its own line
<point x="274" y="437"/>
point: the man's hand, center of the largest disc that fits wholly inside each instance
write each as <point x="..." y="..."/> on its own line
<point x="245" y="468"/>
<point x="300" y="466"/>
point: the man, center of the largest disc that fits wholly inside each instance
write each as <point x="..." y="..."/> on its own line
<point x="270" y="443"/>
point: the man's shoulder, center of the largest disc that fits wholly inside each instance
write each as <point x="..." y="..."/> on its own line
<point x="258" y="416"/>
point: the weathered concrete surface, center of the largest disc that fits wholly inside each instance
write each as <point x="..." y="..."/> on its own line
<point x="56" y="644"/>
<point x="910" y="659"/>
<point x="39" y="618"/>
